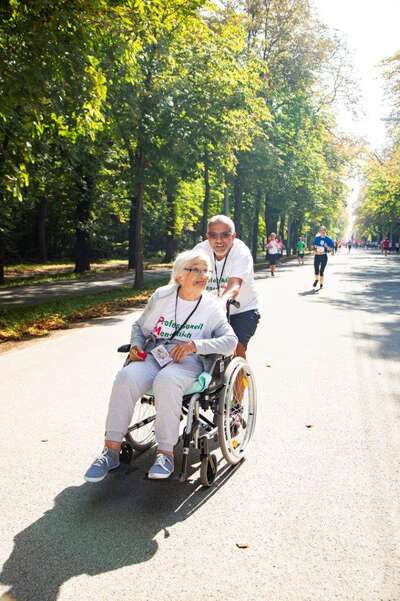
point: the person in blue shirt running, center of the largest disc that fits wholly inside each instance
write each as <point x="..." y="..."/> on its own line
<point x="322" y="245"/>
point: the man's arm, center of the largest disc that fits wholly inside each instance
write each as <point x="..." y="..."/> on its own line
<point x="232" y="289"/>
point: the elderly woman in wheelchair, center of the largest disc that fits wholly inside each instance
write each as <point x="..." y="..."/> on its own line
<point x="180" y="359"/>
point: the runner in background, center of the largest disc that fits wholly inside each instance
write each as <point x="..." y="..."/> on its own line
<point x="300" y="247"/>
<point x="385" y="246"/>
<point x="322" y="245"/>
<point x="273" y="249"/>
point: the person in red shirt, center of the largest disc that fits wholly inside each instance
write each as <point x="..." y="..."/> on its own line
<point x="385" y="246"/>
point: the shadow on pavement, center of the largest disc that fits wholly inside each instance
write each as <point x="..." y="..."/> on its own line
<point x="311" y="292"/>
<point x="379" y="295"/>
<point x="94" y="529"/>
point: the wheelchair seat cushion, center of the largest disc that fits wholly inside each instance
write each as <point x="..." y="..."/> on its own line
<point x="199" y="385"/>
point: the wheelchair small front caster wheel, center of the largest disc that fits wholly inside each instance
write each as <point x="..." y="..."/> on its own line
<point x="208" y="470"/>
<point x="126" y="453"/>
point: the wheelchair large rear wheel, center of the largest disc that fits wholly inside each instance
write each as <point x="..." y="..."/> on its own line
<point x="142" y="438"/>
<point x="237" y="410"/>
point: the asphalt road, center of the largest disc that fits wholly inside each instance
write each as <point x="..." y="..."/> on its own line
<point x="316" y="501"/>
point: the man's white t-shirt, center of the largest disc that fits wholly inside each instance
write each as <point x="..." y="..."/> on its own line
<point x="237" y="264"/>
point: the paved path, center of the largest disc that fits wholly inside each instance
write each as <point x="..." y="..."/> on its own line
<point x="316" y="500"/>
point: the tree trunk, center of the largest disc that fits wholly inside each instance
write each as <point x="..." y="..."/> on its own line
<point x="282" y="227"/>
<point x="2" y="259"/>
<point x="295" y="234"/>
<point x="206" y="201"/>
<point x="41" y="228"/>
<point x="237" y="217"/>
<point x="3" y="150"/>
<point x="85" y="178"/>
<point x="132" y="233"/>
<point x="82" y="246"/>
<point x="271" y="216"/>
<point x="139" y="272"/>
<point x="225" y="210"/>
<point x="254" y="239"/>
<point x="133" y="207"/>
<point x="170" y="242"/>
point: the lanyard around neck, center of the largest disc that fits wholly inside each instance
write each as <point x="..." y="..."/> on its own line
<point x="176" y="332"/>
<point x="218" y="280"/>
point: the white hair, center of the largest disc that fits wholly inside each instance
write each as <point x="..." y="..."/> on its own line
<point x="183" y="259"/>
<point x="222" y="219"/>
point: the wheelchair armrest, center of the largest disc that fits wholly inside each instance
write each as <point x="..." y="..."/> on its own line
<point x="210" y="362"/>
<point x="125" y="348"/>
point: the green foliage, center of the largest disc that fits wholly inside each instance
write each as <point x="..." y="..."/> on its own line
<point x="175" y="100"/>
<point x="378" y="211"/>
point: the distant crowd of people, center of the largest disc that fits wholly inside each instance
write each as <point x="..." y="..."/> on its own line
<point x="322" y="246"/>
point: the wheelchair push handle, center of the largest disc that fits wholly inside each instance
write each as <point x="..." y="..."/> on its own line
<point x="229" y="302"/>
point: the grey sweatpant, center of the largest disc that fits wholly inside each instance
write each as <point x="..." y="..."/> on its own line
<point x="168" y="384"/>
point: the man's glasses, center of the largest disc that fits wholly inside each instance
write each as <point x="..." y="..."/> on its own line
<point x="198" y="271"/>
<point x="215" y="235"/>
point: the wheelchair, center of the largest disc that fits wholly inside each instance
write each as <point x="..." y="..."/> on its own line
<point x="222" y="410"/>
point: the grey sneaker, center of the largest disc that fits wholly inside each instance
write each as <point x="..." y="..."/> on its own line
<point x="107" y="461"/>
<point x="162" y="468"/>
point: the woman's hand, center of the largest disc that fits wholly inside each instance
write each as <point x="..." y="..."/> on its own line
<point x="181" y="351"/>
<point x="134" y="354"/>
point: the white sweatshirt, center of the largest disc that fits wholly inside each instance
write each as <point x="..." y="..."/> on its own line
<point x="208" y="327"/>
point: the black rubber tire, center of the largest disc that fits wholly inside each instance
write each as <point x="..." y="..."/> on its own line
<point x="126" y="453"/>
<point x="208" y="470"/>
<point x="234" y="454"/>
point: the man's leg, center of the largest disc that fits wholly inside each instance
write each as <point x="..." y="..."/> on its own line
<point x="244" y="325"/>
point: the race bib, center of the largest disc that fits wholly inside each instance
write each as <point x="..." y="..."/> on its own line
<point x="320" y="250"/>
<point x="161" y="355"/>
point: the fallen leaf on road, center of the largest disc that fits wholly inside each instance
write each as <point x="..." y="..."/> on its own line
<point x="267" y="365"/>
<point x="44" y="440"/>
<point x="309" y="425"/>
<point x="242" y="545"/>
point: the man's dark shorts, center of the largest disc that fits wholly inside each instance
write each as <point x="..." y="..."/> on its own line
<point x="245" y="324"/>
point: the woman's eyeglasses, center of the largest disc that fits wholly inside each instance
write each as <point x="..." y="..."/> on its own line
<point x="198" y="271"/>
<point x="215" y="235"/>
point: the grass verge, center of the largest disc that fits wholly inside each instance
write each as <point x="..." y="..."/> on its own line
<point x="32" y="322"/>
<point x="25" y="274"/>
